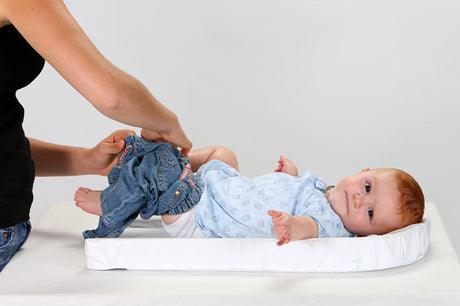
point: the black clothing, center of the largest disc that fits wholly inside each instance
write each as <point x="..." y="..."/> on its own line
<point x="19" y="65"/>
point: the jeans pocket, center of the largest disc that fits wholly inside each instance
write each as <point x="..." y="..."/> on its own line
<point x="168" y="169"/>
<point x="6" y="246"/>
<point x="5" y="237"/>
<point x="11" y="239"/>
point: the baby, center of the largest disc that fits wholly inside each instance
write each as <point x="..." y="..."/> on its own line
<point x="203" y="195"/>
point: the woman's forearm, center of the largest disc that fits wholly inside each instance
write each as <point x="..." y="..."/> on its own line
<point x="130" y="102"/>
<point x="58" y="160"/>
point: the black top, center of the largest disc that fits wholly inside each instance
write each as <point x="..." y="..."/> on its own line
<point x="19" y="65"/>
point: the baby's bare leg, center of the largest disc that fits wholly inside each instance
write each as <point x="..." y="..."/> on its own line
<point x="88" y="200"/>
<point x="170" y="219"/>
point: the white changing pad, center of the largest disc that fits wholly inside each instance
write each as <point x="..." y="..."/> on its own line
<point x="144" y="246"/>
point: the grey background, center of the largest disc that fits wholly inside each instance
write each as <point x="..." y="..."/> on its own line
<point x="336" y="86"/>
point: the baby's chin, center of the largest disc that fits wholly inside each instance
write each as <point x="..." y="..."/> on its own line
<point x="336" y="207"/>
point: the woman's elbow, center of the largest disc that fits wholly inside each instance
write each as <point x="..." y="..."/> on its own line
<point x="108" y="104"/>
<point x="111" y="98"/>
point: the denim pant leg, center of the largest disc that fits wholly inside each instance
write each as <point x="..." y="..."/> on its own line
<point x="122" y="200"/>
<point x="11" y="239"/>
<point x="133" y="184"/>
<point x="118" y="212"/>
<point x="150" y="179"/>
<point x="175" y="191"/>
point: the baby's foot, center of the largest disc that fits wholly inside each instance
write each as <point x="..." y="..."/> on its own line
<point x="88" y="200"/>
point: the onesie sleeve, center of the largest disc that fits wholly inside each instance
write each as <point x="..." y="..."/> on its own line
<point x="329" y="223"/>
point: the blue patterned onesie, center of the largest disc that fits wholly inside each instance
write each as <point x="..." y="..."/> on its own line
<point x="236" y="206"/>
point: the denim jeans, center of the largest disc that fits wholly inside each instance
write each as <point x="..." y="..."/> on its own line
<point x="11" y="239"/>
<point x="150" y="179"/>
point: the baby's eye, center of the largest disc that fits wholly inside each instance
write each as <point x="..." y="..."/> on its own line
<point x="367" y="187"/>
<point x="370" y="212"/>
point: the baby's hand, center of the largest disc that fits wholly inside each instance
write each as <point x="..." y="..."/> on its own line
<point x="287" y="166"/>
<point x="281" y="224"/>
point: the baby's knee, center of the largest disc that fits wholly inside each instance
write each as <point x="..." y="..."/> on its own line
<point x="226" y="155"/>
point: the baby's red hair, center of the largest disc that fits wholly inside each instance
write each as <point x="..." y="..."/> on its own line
<point x="412" y="200"/>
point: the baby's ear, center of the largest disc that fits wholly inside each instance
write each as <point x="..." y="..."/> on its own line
<point x="365" y="169"/>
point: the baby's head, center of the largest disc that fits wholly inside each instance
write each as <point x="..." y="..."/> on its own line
<point x="377" y="201"/>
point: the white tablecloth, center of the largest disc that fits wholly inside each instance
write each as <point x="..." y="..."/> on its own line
<point x="50" y="270"/>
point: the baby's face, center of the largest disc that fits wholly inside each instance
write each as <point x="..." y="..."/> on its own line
<point x="367" y="202"/>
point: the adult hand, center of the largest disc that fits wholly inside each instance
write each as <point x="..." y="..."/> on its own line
<point x="177" y="138"/>
<point x="104" y="155"/>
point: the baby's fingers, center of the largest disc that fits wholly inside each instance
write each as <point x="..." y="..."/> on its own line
<point x="278" y="217"/>
<point x="283" y="239"/>
<point x="274" y="213"/>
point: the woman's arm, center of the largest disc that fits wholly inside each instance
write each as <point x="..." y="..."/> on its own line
<point x="199" y="157"/>
<point x="58" y="160"/>
<point x="289" y="228"/>
<point x="53" y="32"/>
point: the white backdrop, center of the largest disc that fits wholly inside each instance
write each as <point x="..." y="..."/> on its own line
<point x="335" y="85"/>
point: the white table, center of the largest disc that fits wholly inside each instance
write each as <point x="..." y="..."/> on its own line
<point x="50" y="270"/>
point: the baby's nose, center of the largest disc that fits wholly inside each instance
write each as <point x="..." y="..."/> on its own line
<point x="357" y="200"/>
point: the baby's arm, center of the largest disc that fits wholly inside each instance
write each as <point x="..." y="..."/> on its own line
<point x="289" y="228"/>
<point x="287" y="166"/>
<point x="201" y="156"/>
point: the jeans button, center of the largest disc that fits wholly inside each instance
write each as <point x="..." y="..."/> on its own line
<point x="177" y="193"/>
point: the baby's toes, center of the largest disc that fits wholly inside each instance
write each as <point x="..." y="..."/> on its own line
<point x="80" y="194"/>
